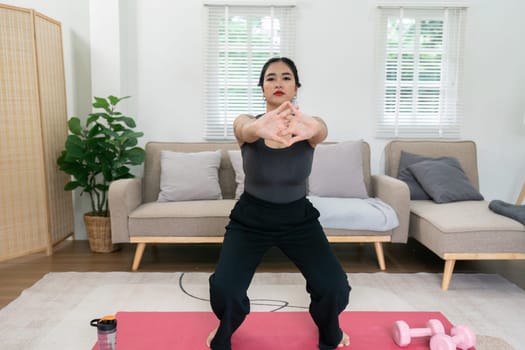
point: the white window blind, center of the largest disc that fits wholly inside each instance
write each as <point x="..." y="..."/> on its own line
<point x="240" y="39"/>
<point x="419" y="59"/>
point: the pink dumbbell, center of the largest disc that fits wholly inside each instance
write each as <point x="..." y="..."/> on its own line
<point x="403" y="335"/>
<point x="460" y="337"/>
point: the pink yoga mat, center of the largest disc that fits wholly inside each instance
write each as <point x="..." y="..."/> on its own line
<point x="264" y="330"/>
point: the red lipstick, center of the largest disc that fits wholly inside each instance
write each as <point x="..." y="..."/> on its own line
<point x="278" y="93"/>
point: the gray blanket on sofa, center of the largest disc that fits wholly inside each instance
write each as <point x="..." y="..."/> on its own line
<point x="516" y="212"/>
<point x="370" y="214"/>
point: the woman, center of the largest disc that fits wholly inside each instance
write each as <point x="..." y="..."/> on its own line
<point x="277" y="150"/>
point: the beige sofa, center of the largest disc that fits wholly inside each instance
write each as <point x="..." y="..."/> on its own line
<point x="137" y="216"/>
<point x="463" y="230"/>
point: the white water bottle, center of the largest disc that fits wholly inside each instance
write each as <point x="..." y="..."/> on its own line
<point x="106" y="332"/>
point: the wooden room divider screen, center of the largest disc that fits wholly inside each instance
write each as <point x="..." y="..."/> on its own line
<point x="35" y="211"/>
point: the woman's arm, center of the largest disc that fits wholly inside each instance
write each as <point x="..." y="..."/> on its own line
<point x="321" y="134"/>
<point x="244" y="129"/>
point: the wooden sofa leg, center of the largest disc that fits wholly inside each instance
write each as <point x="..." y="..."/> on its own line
<point x="447" y="273"/>
<point x="138" y="256"/>
<point x="380" y="255"/>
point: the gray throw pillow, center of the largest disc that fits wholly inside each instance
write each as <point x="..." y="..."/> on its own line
<point x="236" y="159"/>
<point x="188" y="176"/>
<point x="444" y="180"/>
<point x="337" y="171"/>
<point x="407" y="159"/>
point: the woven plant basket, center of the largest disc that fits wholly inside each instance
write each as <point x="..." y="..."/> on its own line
<point x="98" y="230"/>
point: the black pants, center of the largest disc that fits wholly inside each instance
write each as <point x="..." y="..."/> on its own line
<point x="256" y="226"/>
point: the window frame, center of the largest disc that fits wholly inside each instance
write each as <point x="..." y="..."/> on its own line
<point x="231" y="80"/>
<point x="413" y="115"/>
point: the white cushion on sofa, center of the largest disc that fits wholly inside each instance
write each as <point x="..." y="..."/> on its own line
<point x="464" y="216"/>
<point x="355" y="213"/>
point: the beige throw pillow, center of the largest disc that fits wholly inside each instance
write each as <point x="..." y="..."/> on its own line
<point x="337" y="171"/>
<point x="188" y="176"/>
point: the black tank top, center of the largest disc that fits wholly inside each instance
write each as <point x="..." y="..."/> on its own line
<point x="277" y="175"/>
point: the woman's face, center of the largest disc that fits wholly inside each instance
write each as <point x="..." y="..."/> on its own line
<point x="279" y="85"/>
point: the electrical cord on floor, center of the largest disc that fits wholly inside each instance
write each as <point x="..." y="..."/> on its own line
<point x="278" y="304"/>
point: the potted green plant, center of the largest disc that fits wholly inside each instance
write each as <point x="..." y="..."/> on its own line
<point x="97" y="154"/>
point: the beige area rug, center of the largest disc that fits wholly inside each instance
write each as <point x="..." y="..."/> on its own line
<point x="55" y="312"/>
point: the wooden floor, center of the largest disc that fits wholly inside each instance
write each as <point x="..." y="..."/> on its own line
<point x="21" y="273"/>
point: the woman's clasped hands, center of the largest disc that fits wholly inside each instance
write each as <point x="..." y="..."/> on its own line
<point x="287" y="125"/>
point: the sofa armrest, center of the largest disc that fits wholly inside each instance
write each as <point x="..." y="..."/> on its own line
<point x="124" y="196"/>
<point x="395" y="193"/>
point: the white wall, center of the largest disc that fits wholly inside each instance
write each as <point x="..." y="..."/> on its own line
<point x="105" y="47"/>
<point x="495" y="95"/>
<point x="161" y="66"/>
<point x="335" y="56"/>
